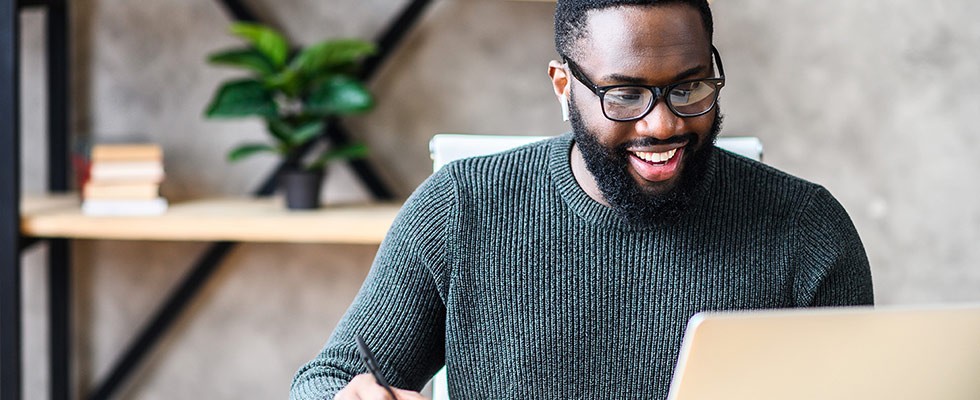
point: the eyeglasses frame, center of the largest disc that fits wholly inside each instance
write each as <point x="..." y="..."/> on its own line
<point x="658" y="91"/>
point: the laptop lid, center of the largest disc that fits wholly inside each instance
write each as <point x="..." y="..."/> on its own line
<point x="855" y="353"/>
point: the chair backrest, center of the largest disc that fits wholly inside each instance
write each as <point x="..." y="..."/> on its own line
<point x="445" y="147"/>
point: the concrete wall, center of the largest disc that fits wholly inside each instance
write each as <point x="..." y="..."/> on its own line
<point x="874" y="99"/>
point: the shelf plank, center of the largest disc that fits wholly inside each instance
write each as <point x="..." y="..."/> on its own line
<point x="221" y="219"/>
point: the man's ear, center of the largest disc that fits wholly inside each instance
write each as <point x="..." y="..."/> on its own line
<point x="560" y="83"/>
<point x="559" y="78"/>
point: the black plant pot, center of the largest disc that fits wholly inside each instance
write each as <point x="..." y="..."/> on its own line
<point x="302" y="188"/>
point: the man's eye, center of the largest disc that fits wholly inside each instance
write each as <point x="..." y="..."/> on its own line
<point x="690" y="93"/>
<point x="680" y="96"/>
<point x="625" y="95"/>
<point x="689" y="86"/>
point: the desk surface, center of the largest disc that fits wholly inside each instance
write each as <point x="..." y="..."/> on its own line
<point x="224" y="219"/>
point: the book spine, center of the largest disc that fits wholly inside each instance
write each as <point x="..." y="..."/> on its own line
<point x="112" y="208"/>
<point x="143" y="191"/>
<point x="149" y="172"/>
<point x="127" y="153"/>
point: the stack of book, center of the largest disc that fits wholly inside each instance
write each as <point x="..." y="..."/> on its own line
<point x="124" y="179"/>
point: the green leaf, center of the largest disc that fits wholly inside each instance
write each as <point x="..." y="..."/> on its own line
<point x="339" y="95"/>
<point x="247" y="58"/>
<point x="280" y="130"/>
<point x="352" y="151"/>
<point x="306" y="132"/>
<point x="287" y="80"/>
<point x="266" y="40"/>
<point x="325" y="55"/>
<point x="246" y="150"/>
<point x="242" y="98"/>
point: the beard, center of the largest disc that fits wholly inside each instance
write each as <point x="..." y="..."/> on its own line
<point x="635" y="204"/>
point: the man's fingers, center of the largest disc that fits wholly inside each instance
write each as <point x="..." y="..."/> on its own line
<point x="364" y="387"/>
<point x="371" y="390"/>
<point x="345" y="394"/>
<point x="408" y="395"/>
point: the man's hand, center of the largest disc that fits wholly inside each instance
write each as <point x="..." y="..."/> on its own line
<point x="364" y="387"/>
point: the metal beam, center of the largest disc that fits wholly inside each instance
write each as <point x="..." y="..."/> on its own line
<point x="59" y="113"/>
<point x="59" y="318"/>
<point x="31" y="3"/>
<point x="59" y="250"/>
<point x="388" y="41"/>
<point x="10" y="289"/>
<point x="239" y="11"/>
<point x="338" y="135"/>
<point x="26" y="242"/>
<point x="393" y="36"/>
<point x="165" y="317"/>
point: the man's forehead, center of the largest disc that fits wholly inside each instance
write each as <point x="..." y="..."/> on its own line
<point x="630" y="37"/>
<point x="645" y="27"/>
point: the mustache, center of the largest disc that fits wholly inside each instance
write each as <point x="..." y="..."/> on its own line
<point x="690" y="138"/>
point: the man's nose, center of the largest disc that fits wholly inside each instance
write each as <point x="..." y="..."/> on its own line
<point x="660" y="122"/>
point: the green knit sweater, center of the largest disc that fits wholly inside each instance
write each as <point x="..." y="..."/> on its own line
<point x="504" y="269"/>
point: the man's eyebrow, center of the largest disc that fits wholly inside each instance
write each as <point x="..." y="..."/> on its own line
<point x="690" y="72"/>
<point x="626" y="79"/>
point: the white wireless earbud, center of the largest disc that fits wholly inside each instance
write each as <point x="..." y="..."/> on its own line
<point x="564" y="108"/>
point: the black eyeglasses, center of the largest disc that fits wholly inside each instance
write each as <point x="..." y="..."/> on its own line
<point x="631" y="102"/>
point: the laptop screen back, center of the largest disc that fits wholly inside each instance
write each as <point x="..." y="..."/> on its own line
<point x="831" y="353"/>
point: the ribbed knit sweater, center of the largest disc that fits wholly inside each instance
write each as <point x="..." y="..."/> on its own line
<point x="504" y="269"/>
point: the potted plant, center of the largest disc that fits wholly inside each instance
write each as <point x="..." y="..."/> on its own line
<point x="295" y="92"/>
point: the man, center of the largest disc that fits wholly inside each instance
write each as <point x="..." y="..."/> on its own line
<point x="568" y="269"/>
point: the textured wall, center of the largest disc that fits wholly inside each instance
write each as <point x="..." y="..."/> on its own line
<point x="873" y="99"/>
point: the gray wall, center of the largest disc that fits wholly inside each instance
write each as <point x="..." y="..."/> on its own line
<point x="873" y="99"/>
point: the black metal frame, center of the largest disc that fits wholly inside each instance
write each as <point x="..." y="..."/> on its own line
<point x="58" y="159"/>
<point x="57" y="27"/>
<point x="59" y="264"/>
<point x="10" y="301"/>
<point x="11" y="243"/>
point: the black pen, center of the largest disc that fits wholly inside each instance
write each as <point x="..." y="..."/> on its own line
<point x="372" y="365"/>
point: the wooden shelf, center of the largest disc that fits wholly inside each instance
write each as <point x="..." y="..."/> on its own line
<point x="224" y="219"/>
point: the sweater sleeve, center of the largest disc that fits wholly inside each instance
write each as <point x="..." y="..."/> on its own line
<point x="832" y="266"/>
<point x="399" y="310"/>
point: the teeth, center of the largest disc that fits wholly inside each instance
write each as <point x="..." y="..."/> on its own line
<point x="655" y="157"/>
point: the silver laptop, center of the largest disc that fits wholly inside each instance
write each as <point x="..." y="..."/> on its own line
<point x="831" y="353"/>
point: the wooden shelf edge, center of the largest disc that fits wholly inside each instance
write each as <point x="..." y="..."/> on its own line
<point x="219" y="219"/>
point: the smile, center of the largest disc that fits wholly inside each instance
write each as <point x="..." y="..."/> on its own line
<point x="657" y="166"/>
<point x="655" y="158"/>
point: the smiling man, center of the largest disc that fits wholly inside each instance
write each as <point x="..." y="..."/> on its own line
<point x="647" y="144"/>
<point x="567" y="269"/>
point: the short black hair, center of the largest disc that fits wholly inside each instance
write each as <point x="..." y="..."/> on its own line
<point x="570" y="18"/>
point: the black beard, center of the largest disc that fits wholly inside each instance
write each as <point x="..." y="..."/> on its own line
<point x="609" y="167"/>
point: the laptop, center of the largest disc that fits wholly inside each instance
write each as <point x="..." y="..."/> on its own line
<point x="857" y="353"/>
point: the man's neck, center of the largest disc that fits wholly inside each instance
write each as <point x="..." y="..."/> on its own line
<point x="584" y="177"/>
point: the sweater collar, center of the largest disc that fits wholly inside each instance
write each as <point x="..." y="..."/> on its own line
<point x="560" y="168"/>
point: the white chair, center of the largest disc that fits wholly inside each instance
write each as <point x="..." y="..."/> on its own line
<point x="446" y="147"/>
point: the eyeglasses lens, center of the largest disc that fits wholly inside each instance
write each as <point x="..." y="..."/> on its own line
<point x="627" y="102"/>
<point x="692" y="98"/>
<point x="631" y="102"/>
